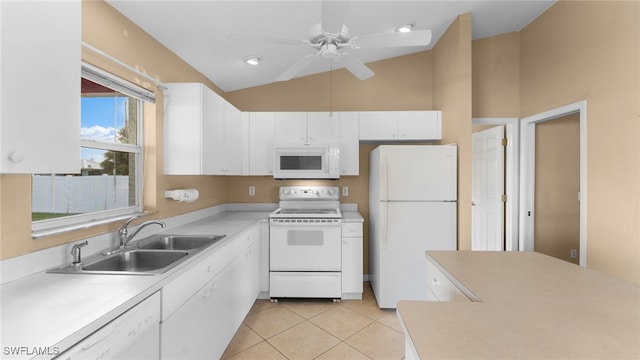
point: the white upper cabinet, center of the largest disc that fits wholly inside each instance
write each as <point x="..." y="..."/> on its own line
<point x="323" y="127"/>
<point x="185" y="123"/>
<point x="40" y="56"/>
<point x="291" y="127"/>
<point x="233" y="145"/>
<point x="306" y="127"/>
<point x="202" y="132"/>
<point x="400" y="125"/>
<point x="261" y="139"/>
<point x="349" y="144"/>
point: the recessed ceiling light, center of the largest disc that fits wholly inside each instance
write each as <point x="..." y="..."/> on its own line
<point x="405" y="28"/>
<point x="253" y="60"/>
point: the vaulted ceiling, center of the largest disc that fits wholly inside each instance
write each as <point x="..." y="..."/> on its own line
<point x="197" y="31"/>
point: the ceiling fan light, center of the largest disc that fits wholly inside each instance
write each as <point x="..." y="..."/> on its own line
<point x="405" y="28"/>
<point x="253" y="60"/>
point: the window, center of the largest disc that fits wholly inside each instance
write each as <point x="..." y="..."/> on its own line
<point x="109" y="180"/>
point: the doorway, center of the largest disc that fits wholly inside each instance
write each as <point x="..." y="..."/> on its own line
<point x="510" y="185"/>
<point x="557" y="186"/>
<point x="537" y="181"/>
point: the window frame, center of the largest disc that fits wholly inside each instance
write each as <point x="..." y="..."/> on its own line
<point x="47" y="227"/>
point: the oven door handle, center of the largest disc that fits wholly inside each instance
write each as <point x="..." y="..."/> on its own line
<point x="331" y="223"/>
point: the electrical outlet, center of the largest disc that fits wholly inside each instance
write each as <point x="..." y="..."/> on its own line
<point x="573" y="253"/>
<point x="345" y="191"/>
<point x="252" y="190"/>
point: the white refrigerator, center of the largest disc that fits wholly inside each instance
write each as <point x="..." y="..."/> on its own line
<point x="412" y="208"/>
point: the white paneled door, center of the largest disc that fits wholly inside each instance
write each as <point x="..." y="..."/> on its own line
<point x="488" y="188"/>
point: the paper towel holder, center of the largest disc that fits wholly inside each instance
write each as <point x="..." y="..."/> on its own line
<point x="182" y="195"/>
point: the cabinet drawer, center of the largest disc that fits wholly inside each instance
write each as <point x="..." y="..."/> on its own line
<point x="352" y="229"/>
<point x="440" y="286"/>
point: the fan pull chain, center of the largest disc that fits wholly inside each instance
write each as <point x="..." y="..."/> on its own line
<point x="331" y="88"/>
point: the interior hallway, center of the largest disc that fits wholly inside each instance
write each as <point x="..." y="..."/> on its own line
<point x="314" y="329"/>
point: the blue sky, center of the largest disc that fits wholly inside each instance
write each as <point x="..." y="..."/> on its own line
<point x="100" y="119"/>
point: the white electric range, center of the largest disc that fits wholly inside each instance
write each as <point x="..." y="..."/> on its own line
<point x="305" y="250"/>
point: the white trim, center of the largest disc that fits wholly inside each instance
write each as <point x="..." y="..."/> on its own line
<point x="156" y="82"/>
<point x="512" y="174"/>
<point x="527" y="173"/>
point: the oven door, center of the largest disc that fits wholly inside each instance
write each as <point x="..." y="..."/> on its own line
<point x="305" y="245"/>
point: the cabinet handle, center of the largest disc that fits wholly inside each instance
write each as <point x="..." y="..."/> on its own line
<point x="435" y="282"/>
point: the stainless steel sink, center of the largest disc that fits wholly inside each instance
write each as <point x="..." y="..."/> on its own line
<point x="136" y="261"/>
<point x="179" y="242"/>
<point x="150" y="256"/>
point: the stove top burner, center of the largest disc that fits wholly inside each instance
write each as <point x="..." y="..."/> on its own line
<point x="321" y="202"/>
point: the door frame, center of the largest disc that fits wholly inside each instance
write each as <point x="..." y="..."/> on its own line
<point x="512" y="128"/>
<point x="527" y="175"/>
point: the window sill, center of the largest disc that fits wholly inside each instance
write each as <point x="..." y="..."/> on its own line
<point x="38" y="232"/>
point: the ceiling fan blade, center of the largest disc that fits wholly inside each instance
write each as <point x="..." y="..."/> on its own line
<point x="414" y="38"/>
<point x="333" y="15"/>
<point x="297" y="67"/>
<point x="262" y="39"/>
<point x="355" y="66"/>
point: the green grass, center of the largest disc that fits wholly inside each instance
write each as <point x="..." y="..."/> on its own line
<point x="36" y="216"/>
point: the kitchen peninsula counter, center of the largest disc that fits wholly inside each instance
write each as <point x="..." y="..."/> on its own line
<point x="531" y="306"/>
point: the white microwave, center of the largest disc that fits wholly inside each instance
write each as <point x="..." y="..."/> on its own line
<point x="294" y="161"/>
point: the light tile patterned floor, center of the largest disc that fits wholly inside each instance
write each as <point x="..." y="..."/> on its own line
<point x="318" y="329"/>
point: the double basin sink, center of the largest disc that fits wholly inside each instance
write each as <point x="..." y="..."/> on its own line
<point x="153" y="255"/>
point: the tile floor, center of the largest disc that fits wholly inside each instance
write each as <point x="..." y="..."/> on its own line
<point x="318" y="329"/>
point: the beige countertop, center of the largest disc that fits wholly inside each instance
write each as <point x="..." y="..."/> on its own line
<point x="532" y="306"/>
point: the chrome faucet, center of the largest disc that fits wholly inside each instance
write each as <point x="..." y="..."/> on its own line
<point x="123" y="233"/>
<point x="75" y="251"/>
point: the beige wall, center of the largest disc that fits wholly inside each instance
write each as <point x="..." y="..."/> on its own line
<point x="557" y="209"/>
<point x="495" y="76"/>
<point x="589" y="51"/>
<point x="109" y="31"/>
<point x="452" y="95"/>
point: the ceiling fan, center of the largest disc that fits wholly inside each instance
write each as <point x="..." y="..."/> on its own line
<point x="330" y="37"/>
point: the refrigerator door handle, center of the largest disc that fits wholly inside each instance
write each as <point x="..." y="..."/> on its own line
<point x="384" y="178"/>
<point x="385" y="224"/>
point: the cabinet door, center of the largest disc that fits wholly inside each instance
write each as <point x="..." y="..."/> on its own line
<point x="349" y="144"/>
<point x="419" y="125"/>
<point x="247" y="275"/>
<point x="261" y="135"/>
<point x="201" y="328"/>
<point x="232" y="140"/>
<point x="352" y="258"/>
<point x="212" y="133"/>
<point x="264" y="257"/>
<point x="183" y="129"/>
<point x="40" y="102"/>
<point x="378" y="125"/>
<point x="291" y="127"/>
<point x="323" y="127"/>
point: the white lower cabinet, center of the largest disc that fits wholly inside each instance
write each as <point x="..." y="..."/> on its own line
<point x="247" y="274"/>
<point x="352" y="260"/>
<point x="202" y="327"/>
<point x="264" y="260"/>
<point x="133" y="335"/>
<point x="203" y="308"/>
<point x="440" y="288"/>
